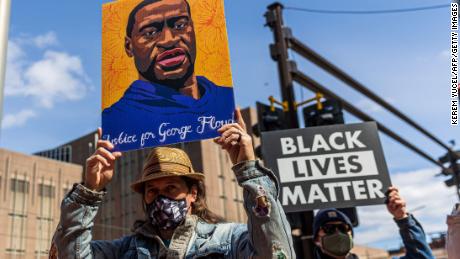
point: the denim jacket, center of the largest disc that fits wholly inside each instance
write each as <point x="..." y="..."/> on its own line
<point x="267" y="233"/>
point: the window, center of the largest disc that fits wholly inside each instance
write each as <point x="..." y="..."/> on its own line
<point x="45" y="219"/>
<point x="20" y="186"/>
<point x="46" y="190"/>
<point x="68" y="150"/>
<point x="63" y="153"/>
<point x="17" y="216"/>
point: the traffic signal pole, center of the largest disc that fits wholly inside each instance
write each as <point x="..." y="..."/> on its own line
<point x="301" y="222"/>
<point x="279" y="52"/>
<point x="285" y="40"/>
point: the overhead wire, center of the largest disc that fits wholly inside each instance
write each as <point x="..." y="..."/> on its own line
<point x="365" y="12"/>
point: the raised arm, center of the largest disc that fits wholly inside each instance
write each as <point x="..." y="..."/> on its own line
<point x="410" y="229"/>
<point x="79" y="208"/>
<point x="269" y="233"/>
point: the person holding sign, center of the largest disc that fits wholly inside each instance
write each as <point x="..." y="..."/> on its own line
<point x="333" y="231"/>
<point x="178" y="223"/>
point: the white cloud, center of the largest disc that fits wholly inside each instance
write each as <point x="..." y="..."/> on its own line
<point x="45" y="40"/>
<point x="17" y="119"/>
<point x="444" y="53"/>
<point x="422" y="191"/>
<point x="56" y="76"/>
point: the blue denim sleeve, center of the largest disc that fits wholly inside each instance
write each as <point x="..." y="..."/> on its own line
<point x="268" y="232"/>
<point x="73" y="238"/>
<point x="414" y="239"/>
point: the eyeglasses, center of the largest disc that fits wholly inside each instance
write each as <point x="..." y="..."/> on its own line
<point x="332" y="228"/>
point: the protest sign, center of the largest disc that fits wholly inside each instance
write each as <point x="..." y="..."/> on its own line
<point x="166" y="74"/>
<point x="327" y="167"/>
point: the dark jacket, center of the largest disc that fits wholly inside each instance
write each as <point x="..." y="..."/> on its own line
<point x="413" y="237"/>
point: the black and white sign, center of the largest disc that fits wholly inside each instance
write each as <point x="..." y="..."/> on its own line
<point x="327" y="167"/>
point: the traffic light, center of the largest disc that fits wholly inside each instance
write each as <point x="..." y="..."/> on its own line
<point x="453" y="170"/>
<point x="450" y="182"/>
<point x="330" y="113"/>
<point x="269" y="119"/>
<point x="449" y="157"/>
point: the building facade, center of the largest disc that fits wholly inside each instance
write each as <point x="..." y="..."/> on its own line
<point x="31" y="190"/>
<point x="122" y="207"/>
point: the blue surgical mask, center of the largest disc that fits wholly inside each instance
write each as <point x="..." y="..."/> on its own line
<point x="166" y="213"/>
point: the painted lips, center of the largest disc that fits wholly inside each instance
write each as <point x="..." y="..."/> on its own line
<point x="171" y="58"/>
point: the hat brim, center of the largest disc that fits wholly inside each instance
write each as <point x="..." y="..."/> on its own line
<point x="138" y="186"/>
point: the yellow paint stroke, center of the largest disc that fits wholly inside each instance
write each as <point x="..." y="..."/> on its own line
<point x="118" y="70"/>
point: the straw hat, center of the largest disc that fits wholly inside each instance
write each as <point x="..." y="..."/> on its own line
<point x="164" y="162"/>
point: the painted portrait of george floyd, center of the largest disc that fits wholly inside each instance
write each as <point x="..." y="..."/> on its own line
<point x="166" y="75"/>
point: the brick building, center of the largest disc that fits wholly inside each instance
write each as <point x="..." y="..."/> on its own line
<point x="31" y="189"/>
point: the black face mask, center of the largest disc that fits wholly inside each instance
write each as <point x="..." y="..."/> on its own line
<point x="166" y="213"/>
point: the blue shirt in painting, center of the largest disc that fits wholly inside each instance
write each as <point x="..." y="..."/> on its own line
<point x="150" y="114"/>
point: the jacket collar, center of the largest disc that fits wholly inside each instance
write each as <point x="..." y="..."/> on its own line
<point x="204" y="229"/>
<point x="180" y="240"/>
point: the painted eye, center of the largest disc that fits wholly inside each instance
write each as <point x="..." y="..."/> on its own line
<point x="180" y="25"/>
<point x="150" y="34"/>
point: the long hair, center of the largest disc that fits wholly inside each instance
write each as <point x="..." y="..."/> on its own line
<point x="199" y="207"/>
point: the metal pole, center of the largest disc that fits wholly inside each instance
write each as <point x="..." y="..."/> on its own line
<point x="279" y="51"/>
<point x="5" y="8"/>
<point x="275" y="17"/>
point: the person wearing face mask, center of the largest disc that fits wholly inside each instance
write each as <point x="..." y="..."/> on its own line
<point x="333" y="231"/>
<point x="177" y="222"/>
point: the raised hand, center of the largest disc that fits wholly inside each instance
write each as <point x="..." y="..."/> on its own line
<point x="100" y="165"/>
<point x="235" y="140"/>
<point x="396" y="205"/>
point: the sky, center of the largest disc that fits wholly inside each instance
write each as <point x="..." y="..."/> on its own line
<point x="52" y="92"/>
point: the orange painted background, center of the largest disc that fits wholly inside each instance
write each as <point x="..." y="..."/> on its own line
<point x="118" y="70"/>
